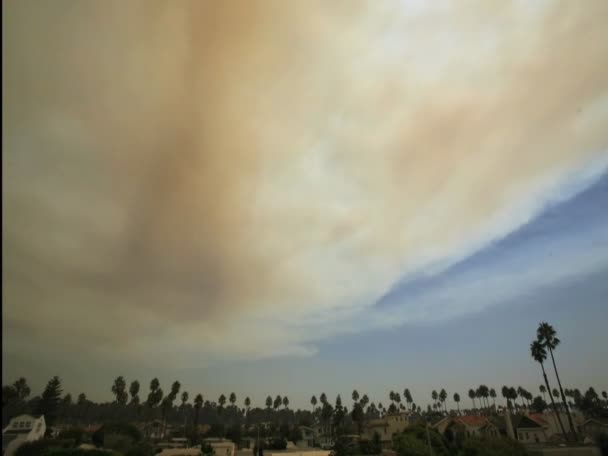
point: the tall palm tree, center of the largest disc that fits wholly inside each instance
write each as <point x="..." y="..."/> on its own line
<point x="268" y="402"/>
<point x="506" y="394"/>
<point x="493" y="396"/>
<point x="457" y="400"/>
<point x="198" y="403"/>
<point x="443" y="395"/>
<point x="472" y="396"/>
<point x="408" y="397"/>
<point x="539" y="354"/>
<point x="543" y="391"/>
<point x="313" y="401"/>
<point x="548" y="337"/>
<point x="285" y="402"/>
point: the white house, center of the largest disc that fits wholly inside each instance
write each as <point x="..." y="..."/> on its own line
<point x="21" y="429"/>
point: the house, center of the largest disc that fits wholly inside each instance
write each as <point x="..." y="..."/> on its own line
<point x="21" y="429"/>
<point x="530" y="429"/>
<point x="385" y="427"/>
<point x="467" y="426"/>
<point x="594" y="426"/>
<point x="222" y="447"/>
<point x="308" y="437"/>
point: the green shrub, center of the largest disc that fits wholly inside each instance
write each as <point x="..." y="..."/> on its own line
<point x="43" y="446"/>
<point x="491" y="447"/>
<point x="76" y="434"/>
<point x="140" y="449"/>
<point x="601" y="441"/>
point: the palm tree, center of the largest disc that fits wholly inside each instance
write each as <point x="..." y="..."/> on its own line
<point x="539" y="354"/>
<point x="268" y="402"/>
<point x="506" y="395"/>
<point x="355" y="396"/>
<point x="247" y="404"/>
<point x="435" y="396"/>
<point x="232" y="399"/>
<point x="285" y="401"/>
<point x="472" y="396"/>
<point x="457" y="400"/>
<point x="548" y="337"/>
<point x="443" y="395"/>
<point x="323" y="398"/>
<point x="277" y="402"/>
<point x="493" y="396"/>
<point x="408" y="397"/>
<point x="198" y="403"/>
<point x="543" y="391"/>
<point x="134" y="391"/>
<point x="391" y="396"/>
<point x="313" y="401"/>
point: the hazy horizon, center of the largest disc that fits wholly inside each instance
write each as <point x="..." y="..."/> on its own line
<point x="273" y="198"/>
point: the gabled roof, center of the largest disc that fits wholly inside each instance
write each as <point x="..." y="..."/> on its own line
<point x="473" y="420"/>
<point x="379" y="422"/>
<point x="600" y="421"/>
<point x="538" y="418"/>
<point x="527" y="423"/>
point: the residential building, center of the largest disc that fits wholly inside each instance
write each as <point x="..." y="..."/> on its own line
<point x="385" y="427"/>
<point x="308" y="437"/>
<point x="467" y="426"/>
<point x="21" y="429"/>
<point x="530" y="429"/>
<point x="222" y="447"/>
<point x="594" y="426"/>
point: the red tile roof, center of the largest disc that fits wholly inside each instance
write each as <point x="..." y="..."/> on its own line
<point x="473" y="420"/>
<point x="538" y="418"/>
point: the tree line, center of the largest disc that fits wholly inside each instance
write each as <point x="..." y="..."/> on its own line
<point x="228" y="414"/>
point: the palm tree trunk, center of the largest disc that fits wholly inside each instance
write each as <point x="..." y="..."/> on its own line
<point x="559" y="383"/>
<point x="559" y="420"/>
<point x="458" y="406"/>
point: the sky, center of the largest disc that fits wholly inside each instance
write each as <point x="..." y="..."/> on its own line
<point x="287" y="198"/>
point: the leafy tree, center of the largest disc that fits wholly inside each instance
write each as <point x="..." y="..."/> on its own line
<point x="547" y="336"/>
<point x="119" y="389"/>
<point x="21" y="388"/>
<point x="355" y="396"/>
<point x="539" y="354"/>
<point x="9" y="394"/>
<point x="49" y="403"/>
<point x="323" y="398"/>
<point x="476" y="446"/>
<point x="344" y="447"/>
<point x="207" y="449"/>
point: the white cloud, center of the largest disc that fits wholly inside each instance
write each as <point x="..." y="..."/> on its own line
<point x="181" y="190"/>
